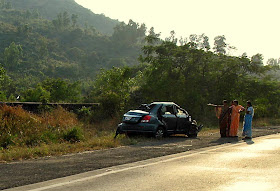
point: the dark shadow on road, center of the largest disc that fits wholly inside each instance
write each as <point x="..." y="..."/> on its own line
<point x="224" y="140"/>
<point x="163" y="141"/>
<point x="232" y="140"/>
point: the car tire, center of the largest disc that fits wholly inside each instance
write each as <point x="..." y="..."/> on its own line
<point x="159" y="134"/>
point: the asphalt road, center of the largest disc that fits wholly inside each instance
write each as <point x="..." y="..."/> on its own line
<point x="250" y="165"/>
<point x="20" y="173"/>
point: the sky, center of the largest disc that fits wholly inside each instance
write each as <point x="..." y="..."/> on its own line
<point x="252" y="26"/>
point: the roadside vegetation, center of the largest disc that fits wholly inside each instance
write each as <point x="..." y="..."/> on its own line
<point x="59" y="59"/>
<point x="24" y="135"/>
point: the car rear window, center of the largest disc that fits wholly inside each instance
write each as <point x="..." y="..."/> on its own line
<point x="146" y="107"/>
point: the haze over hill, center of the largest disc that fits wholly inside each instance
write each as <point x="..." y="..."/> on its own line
<point x="73" y="40"/>
<point x="49" y="9"/>
<point x="49" y="56"/>
<point x="248" y="25"/>
<point x="61" y="39"/>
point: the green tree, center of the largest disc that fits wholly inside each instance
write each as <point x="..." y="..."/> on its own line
<point x="8" y="5"/>
<point x="35" y="14"/>
<point x="42" y="47"/>
<point x="200" y="41"/>
<point x="220" y="44"/>
<point x="38" y="94"/>
<point x="129" y="34"/>
<point x="152" y="36"/>
<point x="112" y="89"/>
<point x="13" y="57"/>
<point x="66" y="19"/>
<point x="74" y="19"/>
<point x="193" y="76"/>
<point x="54" y="90"/>
<point x="274" y="63"/>
<point x="61" y="90"/>
<point x="194" y="40"/>
<point x="5" y="4"/>
<point x="28" y="14"/>
<point x="172" y="38"/>
<point x="24" y="30"/>
<point x="257" y="63"/>
<point x="204" y="42"/>
<point x="62" y="21"/>
<point x="3" y="76"/>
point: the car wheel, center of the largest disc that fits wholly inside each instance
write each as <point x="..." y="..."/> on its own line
<point x="159" y="134"/>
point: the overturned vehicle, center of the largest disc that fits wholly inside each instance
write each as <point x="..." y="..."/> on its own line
<point x="159" y="119"/>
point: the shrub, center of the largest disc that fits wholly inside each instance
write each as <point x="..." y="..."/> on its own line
<point x="19" y="127"/>
<point x="59" y="119"/>
<point x="50" y="136"/>
<point x="73" y="135"/>
<point x="6" y="140"/>
<point x="84" y="113"/>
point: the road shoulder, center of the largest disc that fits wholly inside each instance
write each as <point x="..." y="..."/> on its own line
<point x="34" y="171"/>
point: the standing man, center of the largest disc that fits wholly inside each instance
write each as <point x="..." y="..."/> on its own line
<point x="235" y="116"/>
<point x="248" y="118"/>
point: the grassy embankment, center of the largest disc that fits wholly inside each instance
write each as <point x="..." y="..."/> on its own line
<point x="24" y="135"/>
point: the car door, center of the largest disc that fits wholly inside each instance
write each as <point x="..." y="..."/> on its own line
<point x="183" y="121"/>
<point x="169" y="118"/>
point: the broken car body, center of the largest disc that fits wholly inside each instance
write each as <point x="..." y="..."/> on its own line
<point x="158" y="119"/>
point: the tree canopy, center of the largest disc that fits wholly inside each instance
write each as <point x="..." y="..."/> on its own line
<point x="56" y="55"/>
<point x="192" y="76"/>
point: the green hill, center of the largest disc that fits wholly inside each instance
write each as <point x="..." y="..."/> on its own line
<point x="48" y="9"/>
<point x="48" y="39"/>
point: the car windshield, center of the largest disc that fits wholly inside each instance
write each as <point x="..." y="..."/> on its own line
<point x="146" y="107"/>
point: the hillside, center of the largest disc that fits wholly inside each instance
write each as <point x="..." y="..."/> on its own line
<point x="57" y="48"/>
<point x="50" y="8"/>
<point x="34" y="48"/>
<point x="49" y="60"/>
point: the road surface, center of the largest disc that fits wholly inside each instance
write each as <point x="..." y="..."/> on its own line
<point x="250" y="165"/>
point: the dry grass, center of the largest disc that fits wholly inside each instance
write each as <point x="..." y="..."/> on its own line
<point x="24" y="135"/>
<point x="15" y="153"/>
<point x="59" y="118"/>
<point x="263" y="122"/>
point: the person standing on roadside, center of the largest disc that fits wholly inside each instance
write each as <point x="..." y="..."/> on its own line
<point x="223" y="114"/>
<point x="235" y="116"/>
<point x="248" y="118"/>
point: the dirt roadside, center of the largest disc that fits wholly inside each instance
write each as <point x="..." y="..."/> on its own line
<point x="32" y="171"/>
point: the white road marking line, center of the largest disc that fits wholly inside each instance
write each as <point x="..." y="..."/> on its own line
<point x="205" y="150"/>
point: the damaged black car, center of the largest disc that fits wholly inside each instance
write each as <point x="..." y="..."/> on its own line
<point x="159" y="119"/>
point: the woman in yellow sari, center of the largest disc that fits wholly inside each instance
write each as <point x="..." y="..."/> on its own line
<point x="235" y="116"/>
